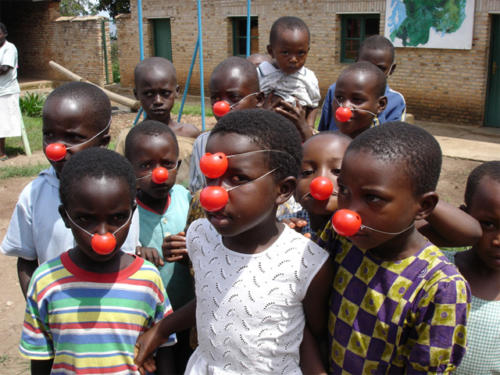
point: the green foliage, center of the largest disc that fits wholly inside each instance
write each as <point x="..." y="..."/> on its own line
<point x="77" y="8"/>
<point x="32" y="104"/>
<point x="115" y="61"/>
<point x="114" y="7"/>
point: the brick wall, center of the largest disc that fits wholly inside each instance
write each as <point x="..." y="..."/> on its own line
<point x="438" y="84"/>
<point x="41" y="35"/>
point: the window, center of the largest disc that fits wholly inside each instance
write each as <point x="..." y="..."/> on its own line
<point x="355" y="29"/>
<point x="240" y="36"/>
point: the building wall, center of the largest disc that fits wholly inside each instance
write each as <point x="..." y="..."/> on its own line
<point x="438" y="84"/>
<point x="41" y="35"/>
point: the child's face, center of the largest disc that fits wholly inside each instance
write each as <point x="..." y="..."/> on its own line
<point x="290" y="49"/>
<point x="485" y="208"/>
<point x="357" y="89"/>
<point x="322" y="156"/>
<point x="234" y="87"/>
<point x="70" y="122"/>
<point x="381" y="193"/>
<point x="149" y="152"/>
<point x="253" y="203"/>
<point x="99" y="205"/>
<point x="382" y="58"/>
<point x="157" y="89"/>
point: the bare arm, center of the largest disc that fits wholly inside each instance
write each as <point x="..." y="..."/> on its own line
<point x="41" y="367"/>
<point x="450" y="226"/>
<point x="25" y="269"/>
<point x="310" y="358"/>
<point x="179" y="320"/>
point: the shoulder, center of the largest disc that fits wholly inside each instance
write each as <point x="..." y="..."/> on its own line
<point x="305" y="247"/>
<point x="393" y="95"/>
<point x="266" y="68"/>
<point x="189" y="130"/>
<point x="180" y="192"/>
<point x="45" y="181"/>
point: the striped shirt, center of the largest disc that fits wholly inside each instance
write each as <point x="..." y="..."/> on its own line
<point x="89" y="322"/>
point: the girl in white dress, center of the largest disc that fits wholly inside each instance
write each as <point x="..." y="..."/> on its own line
<point x="259" y="284"/>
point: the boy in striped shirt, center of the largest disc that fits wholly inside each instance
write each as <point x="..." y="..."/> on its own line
<point x="86" y="308"/>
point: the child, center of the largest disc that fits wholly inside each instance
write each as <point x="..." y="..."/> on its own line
<point x="86" y="307"/>
<point x="287" y="77"/>
<point x="235" y="81"/>
<point x="481" y="267"/>
<point x="163" y="209"/>
<point x="257" y="281"/>
<point x="156" y="88"/>
<point x="77" y="115"/>
<point x="379" y="51"/>
<point x="360" y="87"/>
<point x="397" y="305"/>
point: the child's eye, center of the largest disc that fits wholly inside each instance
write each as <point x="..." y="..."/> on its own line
<point x="340" y="99"/>
<point x="487" y="225"/>
<point x="284" y="53"/>
<point x="119" y="218"/>
<point x="239" y="179"/>
<point x="336" y="171"/>
<point x="306" y="172"/>
<point x="371" y="198"/>
<point x="166" y="93"/>
<point x="146" y="165"/>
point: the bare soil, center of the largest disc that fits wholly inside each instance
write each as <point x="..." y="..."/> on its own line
<point x="12" y="305"/>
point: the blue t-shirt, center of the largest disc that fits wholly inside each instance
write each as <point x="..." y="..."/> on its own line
<point x="154" y="228"/>
<point x="394" y="111"/>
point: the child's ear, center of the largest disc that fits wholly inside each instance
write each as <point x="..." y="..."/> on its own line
<point x="177" y="91"/>
<point x="64" y="216"/>
<point x="393" y="68"/>
<point x="270" y="50"/>
<point x="261" y="97"/>
<point x="285" y="187"/>
<point x="427" y="202"/>
<point x="381" y="104"/>
<point x="135" y="93"/>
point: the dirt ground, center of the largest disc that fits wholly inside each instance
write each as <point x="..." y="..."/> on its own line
<point x="451" y="187"/>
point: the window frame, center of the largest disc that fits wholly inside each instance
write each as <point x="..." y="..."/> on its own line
<point x="362" y="17"/>
<point x="237" y="37"/>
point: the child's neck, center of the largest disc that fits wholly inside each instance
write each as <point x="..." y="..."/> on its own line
<point x="117" y="263"/>
<point x="401" y="246"/>
<point x="484" y="281"/>
<point x="256" y="239"/>
<point x="157" y="205"/>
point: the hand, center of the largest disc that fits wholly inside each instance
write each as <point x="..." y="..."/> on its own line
<point x="297" y="224"/>
<point x="297" y="115"/>
<point x="143" y="351"/>
<point x="150" y="254"/>
<point x="174" y="248"/>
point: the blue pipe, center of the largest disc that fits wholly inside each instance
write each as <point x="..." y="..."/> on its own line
<point x="248" y="26"/>
<point x="141" y="37"/>
<point x="202" y="85"/>
<point x="186" y="87"/>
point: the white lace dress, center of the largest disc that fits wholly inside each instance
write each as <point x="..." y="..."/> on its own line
<point x="249" y="312"/>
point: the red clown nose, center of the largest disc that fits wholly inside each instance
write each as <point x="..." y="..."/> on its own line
<point x="159" y="175"/>
<point x="213" y="198"/>
<point x="103" y="244"/>
<point x="321" y="188"/>
<point x="213" y="165"/>
<point x="346" y="222"/>
<point x="221" y="108"/>
<point x="343" y="114"/>
<point x="55" y="151"/>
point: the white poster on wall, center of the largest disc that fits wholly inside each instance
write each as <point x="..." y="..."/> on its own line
<point x="423" y="24"/>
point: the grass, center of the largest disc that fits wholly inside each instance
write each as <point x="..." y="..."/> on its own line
<point x="33" y="125"/>
<point x="192" y="109"/>
<point x="22" y="171"/>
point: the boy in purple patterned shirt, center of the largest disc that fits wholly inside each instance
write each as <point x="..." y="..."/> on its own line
<point x="397" y="305"/>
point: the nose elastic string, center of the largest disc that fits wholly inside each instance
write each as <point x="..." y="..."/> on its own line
<point x="383" y="232"/>
<point x="158" y="169"/>
<point x="354" y="108"/>
<point x="232" y="106"/>
<point x="88" y="140"/>
<point x="91" y="234"/>
<point x="258" y="178"/>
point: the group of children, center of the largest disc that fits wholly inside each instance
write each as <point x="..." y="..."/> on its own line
<point x="265" y="299"/>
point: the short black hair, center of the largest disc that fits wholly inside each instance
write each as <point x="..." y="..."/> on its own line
<point x="95" y="99"/>
<point x="154" y="62"/>
<point x="378" y="42"/>
<point x="399" y="142"/>
<point x="3" y="28"/>
<point x="95" y="162"/>
<point x="269" y="131"/>
<point x="247" y="69"/>
<point x="368" y="67"/>
<point x="287" y="23"/>
<point x="148" y="127"/>
<point x="490" y="169"/>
